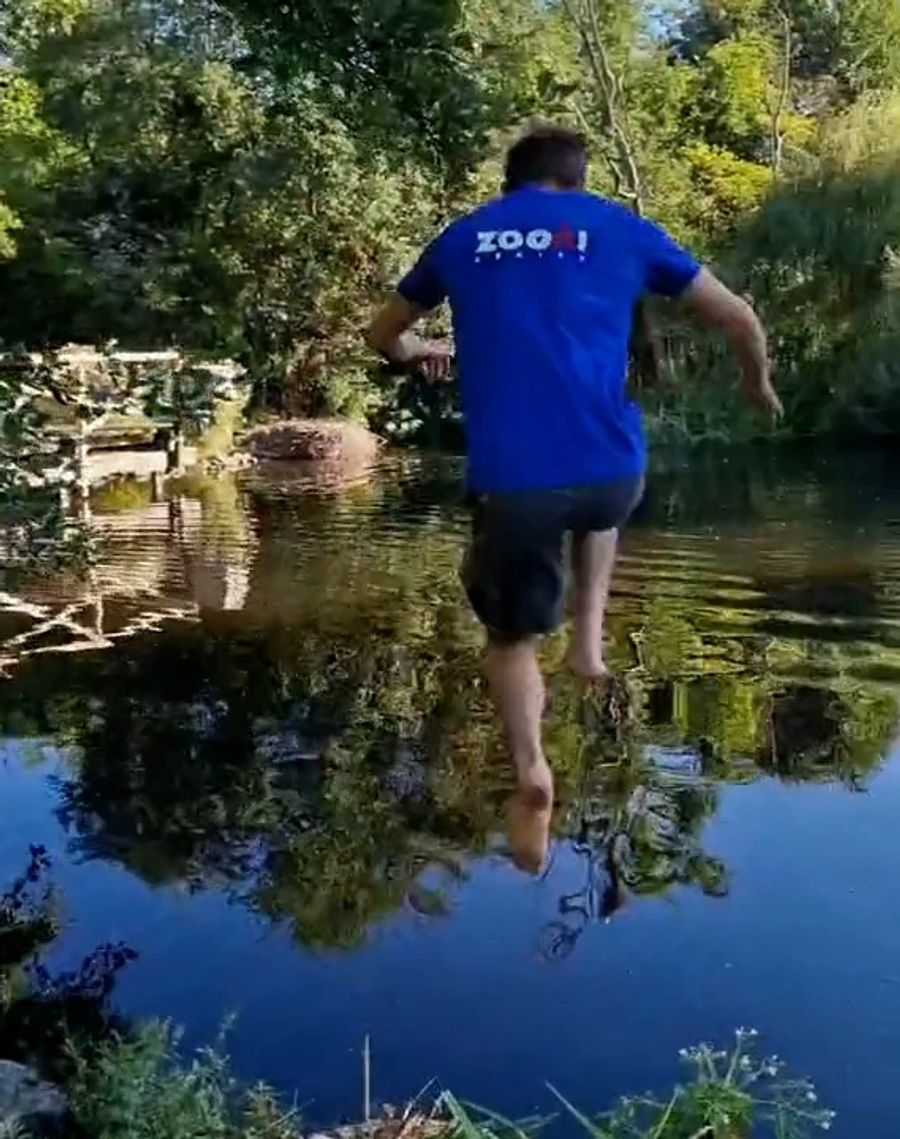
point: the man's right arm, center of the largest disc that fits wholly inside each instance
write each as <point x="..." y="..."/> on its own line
<point x="717" y="307"/>
<point x="390" y="334"/>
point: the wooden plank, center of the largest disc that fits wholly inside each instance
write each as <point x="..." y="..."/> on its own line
<point x="228" y="369"/>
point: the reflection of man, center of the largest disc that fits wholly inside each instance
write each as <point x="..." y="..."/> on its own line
<point x="542" y="283"/>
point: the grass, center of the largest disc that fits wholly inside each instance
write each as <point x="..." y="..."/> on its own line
<point x="140" y="1088"/>
<point x="730" y="1095"/>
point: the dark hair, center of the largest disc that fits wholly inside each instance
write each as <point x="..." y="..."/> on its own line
<point x="547" y="154"/>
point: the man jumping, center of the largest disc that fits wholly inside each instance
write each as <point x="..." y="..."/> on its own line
<point x="542" y="283"/>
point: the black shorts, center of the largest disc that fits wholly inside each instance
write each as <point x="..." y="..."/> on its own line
<point x="514" y="572"/>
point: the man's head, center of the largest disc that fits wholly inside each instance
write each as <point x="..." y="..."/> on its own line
<point x="547" y="156"/>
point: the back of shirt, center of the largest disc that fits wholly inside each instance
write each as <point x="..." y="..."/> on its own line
<point x="542" y="285"/>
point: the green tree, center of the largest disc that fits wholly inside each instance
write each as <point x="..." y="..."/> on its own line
<point x="194" y="209"/>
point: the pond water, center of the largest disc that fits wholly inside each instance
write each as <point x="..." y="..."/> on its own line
<point x="255" y="742"/>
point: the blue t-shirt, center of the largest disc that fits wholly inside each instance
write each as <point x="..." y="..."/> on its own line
<point x="543" y="285"/>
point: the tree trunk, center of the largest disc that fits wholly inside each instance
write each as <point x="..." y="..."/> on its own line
<point x="645" y="350"/>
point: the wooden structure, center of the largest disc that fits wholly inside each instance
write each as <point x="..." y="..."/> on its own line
<point x="111" y="442"/>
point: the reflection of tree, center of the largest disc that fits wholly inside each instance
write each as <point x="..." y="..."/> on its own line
<point x="283" y="771"/>
<point x="369" y="849"/>
<point x="636" y="832"/>
<point x="328" y="754"/>
<point x="800" y="731"/>
<point x="816" y="733"/>
<point x="329" y="780"/>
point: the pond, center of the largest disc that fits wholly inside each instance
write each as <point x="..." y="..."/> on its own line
<point x="255" y="742"/>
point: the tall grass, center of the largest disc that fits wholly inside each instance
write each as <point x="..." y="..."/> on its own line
<point x="139" y="1088"/>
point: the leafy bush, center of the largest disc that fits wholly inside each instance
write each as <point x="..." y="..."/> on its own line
<point x="41" y="1011"/>
<point x="137" y="1088"/>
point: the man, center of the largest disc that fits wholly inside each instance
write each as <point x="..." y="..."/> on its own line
<point x="542" y="283"/>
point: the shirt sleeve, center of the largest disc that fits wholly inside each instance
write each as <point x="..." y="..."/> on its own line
<point x="423" y="284"/>
<point x="669" y="268"/>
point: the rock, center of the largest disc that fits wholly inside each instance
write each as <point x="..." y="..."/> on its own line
<point x="313" y="440"/>
<point x="27" y="1101"/>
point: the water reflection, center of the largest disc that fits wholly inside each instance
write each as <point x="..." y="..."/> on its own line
<point x="283" y="699"/>
<point x="161" y="559"/>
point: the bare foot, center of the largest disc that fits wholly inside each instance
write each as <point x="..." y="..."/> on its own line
<point x="588" y="665"/>
<point x="528" y="819"/>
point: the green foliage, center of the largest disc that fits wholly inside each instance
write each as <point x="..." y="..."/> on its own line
<point x="819" y="259"/>
<point x="137" y="1087"/>
<point x="39" y="1011"/>
<point x="129" y="1088"/>
<point x="866" y="42"/>
<point x="732" y="91"/>
<point x="248" y="179"/>
<point x="9" y="223"/>
<point x="27" y="920"/>
<point x="730" y="1095"/>
<point x="725" y="185"/>
<point x="426" y="79"/>
<point x="839" y="346"/>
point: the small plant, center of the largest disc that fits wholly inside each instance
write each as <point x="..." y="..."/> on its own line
<point x="138" y="1088"/>
<point x="26" y="915"/>
<point x="731" y="1095"/>
<point x="40" y="1009"/>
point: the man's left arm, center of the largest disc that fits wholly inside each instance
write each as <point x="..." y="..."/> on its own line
<point x="672" y="272"/>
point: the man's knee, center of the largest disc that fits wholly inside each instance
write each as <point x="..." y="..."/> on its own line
<point x="517" y="602"/>
<point x="510" y="623"/>
<point x="504" y="641"/>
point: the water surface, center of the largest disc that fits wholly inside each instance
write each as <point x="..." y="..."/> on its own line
<point x="256" y="742"/>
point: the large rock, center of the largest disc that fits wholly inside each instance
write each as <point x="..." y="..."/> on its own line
<point x="329" y="441"/>
<point x="28" y="1102"/>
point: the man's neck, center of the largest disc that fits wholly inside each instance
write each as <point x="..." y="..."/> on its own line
<point x="552" y="187"/>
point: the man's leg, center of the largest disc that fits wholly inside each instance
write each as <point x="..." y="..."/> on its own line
<point x="593" y="559"/>
<point x="517" y="688"/>
<point x="515" y="581"/>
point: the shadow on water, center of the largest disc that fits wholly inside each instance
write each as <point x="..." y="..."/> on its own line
<point x="274" y="693"/>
